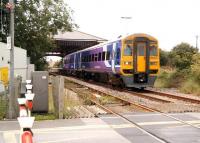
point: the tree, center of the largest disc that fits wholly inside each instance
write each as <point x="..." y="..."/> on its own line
<point x="164" y="57"/>
<point x="181" y="56"/>
<point x="36" y="21"/>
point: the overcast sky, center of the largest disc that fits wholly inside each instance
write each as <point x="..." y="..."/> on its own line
<point x="170" y="21"/>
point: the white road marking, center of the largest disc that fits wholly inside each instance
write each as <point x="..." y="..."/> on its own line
<point x="9" y="137"/>
<point x="70" y="139"/>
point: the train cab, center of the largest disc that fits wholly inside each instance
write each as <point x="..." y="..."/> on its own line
<point x="139" y="60"/>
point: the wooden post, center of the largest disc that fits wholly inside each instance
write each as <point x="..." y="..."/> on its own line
<point x="58" y="96"/>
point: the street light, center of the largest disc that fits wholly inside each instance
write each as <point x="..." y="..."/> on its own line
<point x="126" y="17"/>
<point x="126" y="25"/>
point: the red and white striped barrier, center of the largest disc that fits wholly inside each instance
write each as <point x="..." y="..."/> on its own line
<point x="25" y="120"/>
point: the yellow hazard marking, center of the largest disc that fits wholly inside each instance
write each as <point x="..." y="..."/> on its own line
<point x="4" y="75"/>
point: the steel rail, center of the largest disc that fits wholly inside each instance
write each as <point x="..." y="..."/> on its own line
<point x="186" y="99"/>
<point x="148" y="97"/>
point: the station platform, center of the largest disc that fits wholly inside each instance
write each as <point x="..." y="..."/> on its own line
<point x="109" y="129"/>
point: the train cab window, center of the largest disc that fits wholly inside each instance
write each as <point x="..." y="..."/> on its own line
<point x="103" y="56"/>
<point x="128" y="51"/>
<point x="141" y="49"/>
<point x="153" y="51"/>
<point x="108" y="55"/>
<point x="99" y="57"/>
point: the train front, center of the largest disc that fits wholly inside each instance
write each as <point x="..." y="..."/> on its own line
<point x="140" y="61"/>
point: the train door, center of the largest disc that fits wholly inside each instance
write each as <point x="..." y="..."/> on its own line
<point x="113" y="58"/>
<point x="141" y="57"/>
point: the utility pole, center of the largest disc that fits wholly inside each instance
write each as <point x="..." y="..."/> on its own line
<point x="11" y="113"/>
<point x="197" y="41"/>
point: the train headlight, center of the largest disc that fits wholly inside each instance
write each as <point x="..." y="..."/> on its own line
<point x="127" y="63"/>
<point x="153" y="63"/>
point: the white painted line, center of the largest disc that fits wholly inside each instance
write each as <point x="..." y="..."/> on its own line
<point x="9" y="137"/>
<point x="71" y="139"/>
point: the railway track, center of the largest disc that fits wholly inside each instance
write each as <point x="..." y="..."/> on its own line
<point x="159" y="95"/>
<point x="102" y="93"/>
<point x="153" y="98"/>
<point x="182" y="98"/>
<point x="162" y="101"/>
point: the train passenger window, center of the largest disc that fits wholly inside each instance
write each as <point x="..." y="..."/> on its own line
<point x="103" y="56"/>
<point x="88" y="58"/>
<point x="92" y="57"/>
<point x="128" y="51"/>
<point x="99" y="57"/>
<point x="118" y="53"/>
<point x="141" y="49"/>
<point x="108" y="55"/>
<point x="96" y="57"/>
<point x="153" y="51"/>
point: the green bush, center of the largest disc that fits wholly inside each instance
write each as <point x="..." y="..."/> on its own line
<point x="171" y="78"/>
<point x="162" y="80"/>
<point x="190" y="86"/>
<point x="195" y="68"/>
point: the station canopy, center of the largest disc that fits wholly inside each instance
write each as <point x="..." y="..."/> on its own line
<point x="69" y="42"/>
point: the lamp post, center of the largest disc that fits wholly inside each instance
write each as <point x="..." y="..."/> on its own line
<point x="126" y="18"/>
<point x="197" y="41"/>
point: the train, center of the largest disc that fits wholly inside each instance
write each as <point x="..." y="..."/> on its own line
<point x="129" y="61"/>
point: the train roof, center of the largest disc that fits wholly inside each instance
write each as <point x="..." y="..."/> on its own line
<point x="120" y="38"/>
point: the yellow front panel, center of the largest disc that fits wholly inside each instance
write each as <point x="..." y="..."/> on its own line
<point x="128" y="62"/>
<point x="141" y="57"/>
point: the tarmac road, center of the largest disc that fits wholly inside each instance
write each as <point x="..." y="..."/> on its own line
<point x="108" y="129"/>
